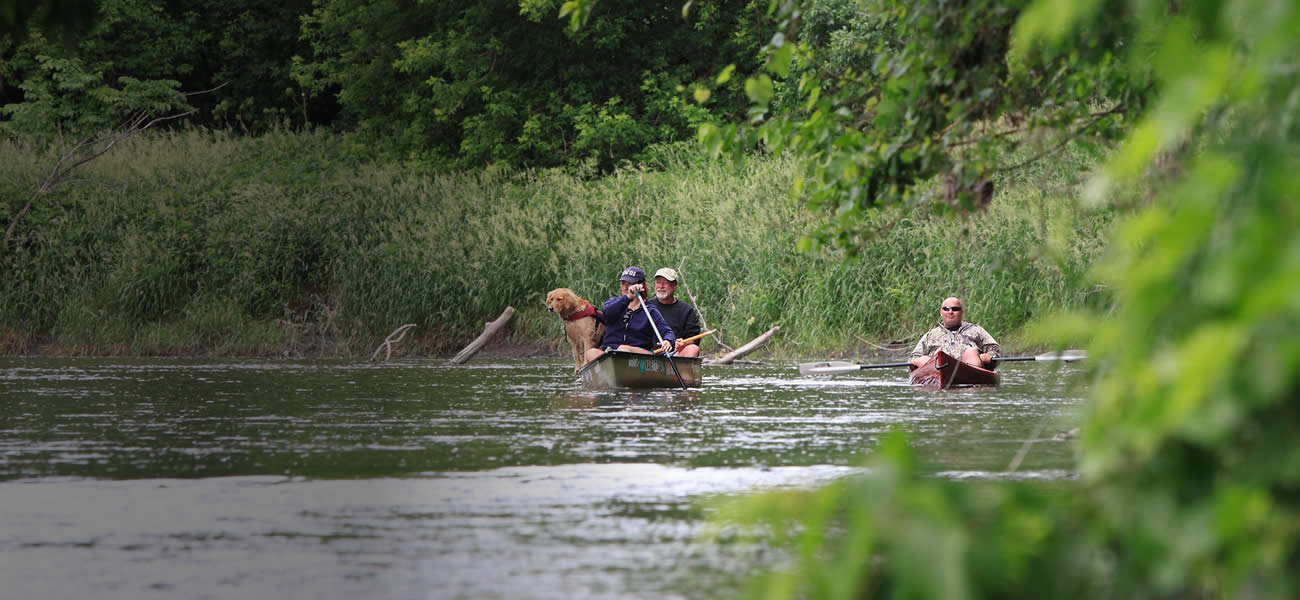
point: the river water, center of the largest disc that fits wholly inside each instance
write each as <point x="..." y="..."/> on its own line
<point x="496" y="479"/>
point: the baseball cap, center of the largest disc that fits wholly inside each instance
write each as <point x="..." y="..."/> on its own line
<point x="667" y="273"/>
<point x="632" y="275"/>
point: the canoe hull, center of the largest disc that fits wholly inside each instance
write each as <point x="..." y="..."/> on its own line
<point x="945" y="372"/>
<point x="632" y="370"/>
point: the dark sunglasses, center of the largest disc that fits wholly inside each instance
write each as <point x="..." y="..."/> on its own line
<point x="952" y="308"/>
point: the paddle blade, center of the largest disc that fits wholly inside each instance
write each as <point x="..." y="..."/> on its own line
<point x="1064" y="355"/>
<point x="824" y="367"/>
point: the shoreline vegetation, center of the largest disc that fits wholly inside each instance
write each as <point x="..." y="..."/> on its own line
<point x="202" y="243"/>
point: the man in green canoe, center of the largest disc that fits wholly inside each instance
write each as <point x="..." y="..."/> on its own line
<point x="681" y="316"/>
<point x="957" y="338"/>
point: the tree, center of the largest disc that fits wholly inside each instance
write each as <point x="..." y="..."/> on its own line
<point x="73" y="109"/>
<point x="931" y="98"/>
<point x="460" y="84"/>
<point x="66" y="16"/>
<point x="241" y="48"/>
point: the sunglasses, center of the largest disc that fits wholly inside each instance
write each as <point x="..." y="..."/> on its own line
<point x="952" y="308"/>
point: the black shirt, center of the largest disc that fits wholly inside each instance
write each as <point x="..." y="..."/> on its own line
<point x="681" y="317"/>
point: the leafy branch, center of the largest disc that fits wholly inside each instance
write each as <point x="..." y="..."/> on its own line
<point x="82" y="152"/>
<point x="924" y="92"/>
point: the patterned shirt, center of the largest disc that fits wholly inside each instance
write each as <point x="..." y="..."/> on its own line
<point x="954" y="342"/>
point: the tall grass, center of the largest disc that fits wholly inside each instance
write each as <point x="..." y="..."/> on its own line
<point x="201" y="242"/>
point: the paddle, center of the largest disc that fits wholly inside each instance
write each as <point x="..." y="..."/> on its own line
<point x="1064" y="356"/>
<point x="650" y="317"/>
<point x="689" y="339"/>
<point x="828" y="367"/>
<point x="837" y="366"/>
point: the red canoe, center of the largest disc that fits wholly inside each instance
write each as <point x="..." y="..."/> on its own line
<point x="945" y="371"/>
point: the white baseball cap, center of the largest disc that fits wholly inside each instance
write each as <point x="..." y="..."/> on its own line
<point x="667" y="273"/>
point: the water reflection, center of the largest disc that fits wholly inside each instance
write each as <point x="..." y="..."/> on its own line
<point x="415" y="479"/>
<point x="621" y="399"/>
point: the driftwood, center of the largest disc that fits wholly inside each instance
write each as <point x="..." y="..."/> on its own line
<point x="738" y="361"/>
<point x="489" y="331"/>
<point x="747" y="348"/>
<point x="393" y="338"/>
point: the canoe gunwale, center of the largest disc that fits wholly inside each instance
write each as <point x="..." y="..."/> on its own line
<point x="944" y="372"/>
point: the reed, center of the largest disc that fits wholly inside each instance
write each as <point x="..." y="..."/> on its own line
<point x="199" y="242"/>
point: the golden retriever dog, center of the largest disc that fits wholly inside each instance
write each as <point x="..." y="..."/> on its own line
<point x="581" y="326"/>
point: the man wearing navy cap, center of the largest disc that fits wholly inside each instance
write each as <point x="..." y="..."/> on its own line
<point x="627" y="326"/>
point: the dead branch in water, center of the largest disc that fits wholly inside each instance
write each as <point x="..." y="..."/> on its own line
<point x="393" y="338"/>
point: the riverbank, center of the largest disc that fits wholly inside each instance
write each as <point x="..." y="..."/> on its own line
<point x="208" y="244"/>
<point x="507" y="349"/>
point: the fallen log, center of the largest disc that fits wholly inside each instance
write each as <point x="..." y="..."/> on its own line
<point x="747" y="348"/>
<point x="739" y="361"/>
<point x="490" y="330"/>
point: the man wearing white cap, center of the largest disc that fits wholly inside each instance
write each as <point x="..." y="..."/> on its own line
<point x="680" y="315"/>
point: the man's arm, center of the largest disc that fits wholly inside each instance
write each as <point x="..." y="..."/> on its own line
<point x="988" y="347"/>
<point x="919" y="354"/>
<point x="692" y="326"/>
<point x="614" y="307"/>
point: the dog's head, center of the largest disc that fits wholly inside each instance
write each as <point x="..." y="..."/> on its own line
<point x="563" y="301"/>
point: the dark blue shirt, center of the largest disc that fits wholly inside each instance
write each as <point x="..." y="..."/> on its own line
<point x="631" y="327"/>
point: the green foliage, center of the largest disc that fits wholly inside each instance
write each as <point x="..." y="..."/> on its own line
<point x="1192" y="424"/>
<point x="881" y="102"/>
<point x="450" y="85"/>
<point x="896" y="534"/>
<point x="835" y="40"/>
<point x="1188" y="471"/>
<point x="173" y="231"/>
<point x="250" y="62"/>
<point x="235" y="52"/>
<point x="68" y="17"/>
<point x="463" y="84"/>
<point x="67" y="99"/>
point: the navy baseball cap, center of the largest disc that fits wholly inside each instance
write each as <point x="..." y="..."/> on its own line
<point x="632" y="275"/>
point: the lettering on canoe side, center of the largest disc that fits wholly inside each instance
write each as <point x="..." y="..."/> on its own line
<point x="642" y="365"/>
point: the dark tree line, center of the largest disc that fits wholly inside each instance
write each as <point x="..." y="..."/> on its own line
<point x="452" y="84"/>
<point x="242" y="48"/>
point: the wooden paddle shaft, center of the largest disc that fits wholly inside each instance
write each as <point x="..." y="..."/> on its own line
<point x="689" y="339"/>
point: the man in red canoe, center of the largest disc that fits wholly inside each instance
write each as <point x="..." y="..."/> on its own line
<point x="956" y="337"/>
